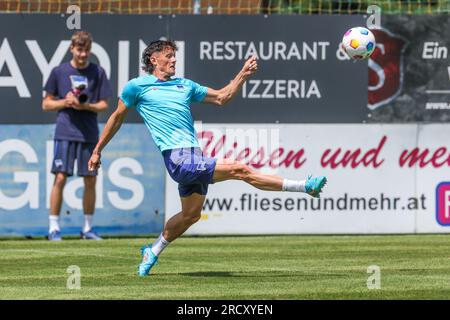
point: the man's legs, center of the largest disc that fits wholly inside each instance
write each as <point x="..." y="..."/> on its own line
<point x="235" y="170"/>
<point x="84" y="151"/>
<point x="56" y="194"/>
<point x="62" y="167"/>
<point x="192" y="204"/>
<point x="56" y="197"/>
<point x="89" y="195"/>
<point x="191" y="207"/>
<point x="89" y="207"/>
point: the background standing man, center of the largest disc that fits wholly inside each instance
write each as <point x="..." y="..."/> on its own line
<point x="77" y="90"/>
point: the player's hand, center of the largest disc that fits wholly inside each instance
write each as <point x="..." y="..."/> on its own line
<point x="94" y="162"/>
<point x="250" y="66"/>
<point x="70" y="100"/>
<point x="77" y="105"/>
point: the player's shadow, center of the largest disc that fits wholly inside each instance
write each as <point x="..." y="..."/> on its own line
<point x="259" y="275"/>
<point x="208" y="274"/>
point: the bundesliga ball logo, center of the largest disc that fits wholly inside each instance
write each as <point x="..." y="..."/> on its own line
<point x="358" y="43"/>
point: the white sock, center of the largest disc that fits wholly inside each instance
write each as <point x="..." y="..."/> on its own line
<point x="159" y="245"/>
<point x="88" y="222"/>
<point x="53" y="223"/>
<point x="294" y="185"/>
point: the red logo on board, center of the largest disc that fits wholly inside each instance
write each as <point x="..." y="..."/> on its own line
<point x="385" y="68"/>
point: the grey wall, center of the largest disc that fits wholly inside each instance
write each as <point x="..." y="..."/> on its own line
<point x="271" y="93"/>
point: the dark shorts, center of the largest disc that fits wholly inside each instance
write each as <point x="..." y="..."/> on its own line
<point x="191" y="169"/>
<point x="65" y="153"/>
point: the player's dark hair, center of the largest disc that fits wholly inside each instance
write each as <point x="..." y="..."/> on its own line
<point x="82" y="39"/>
<point x="155" y="46"/>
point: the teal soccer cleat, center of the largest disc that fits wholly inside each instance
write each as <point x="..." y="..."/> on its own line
<point x="148" y="260"/>
<point x="314" y="185"/>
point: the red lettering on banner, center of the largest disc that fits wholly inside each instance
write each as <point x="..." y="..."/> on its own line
<point x="354" y="158"/>
<point x="243" y="154"/>
<point x="273" y="156"/>
<point x="413" y="156"/>
<point x="297" y="156"/>
<point x="259" y="163"/>
<point x="218" y="146"/>
<point x="417" y="156"/>
<point x="330" y="158"/>
<point x="438" y="154"/>
<point x="229" y="154"/>
<point x="257" y="160"/>
<point x="209" y="136"/>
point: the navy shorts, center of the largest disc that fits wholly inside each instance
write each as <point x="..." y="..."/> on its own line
<point x="65" y="153"/>
<point x="191" y="169"/>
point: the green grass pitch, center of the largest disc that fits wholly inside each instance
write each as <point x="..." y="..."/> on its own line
<point x="250" y="267"/>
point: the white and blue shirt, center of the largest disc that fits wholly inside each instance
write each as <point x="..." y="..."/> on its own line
<point x="165" y="108"/>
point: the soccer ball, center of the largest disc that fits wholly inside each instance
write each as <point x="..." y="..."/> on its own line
<point x="358" y="43"/>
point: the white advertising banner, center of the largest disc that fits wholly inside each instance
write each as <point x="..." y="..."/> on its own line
<point x="381" y="179"/>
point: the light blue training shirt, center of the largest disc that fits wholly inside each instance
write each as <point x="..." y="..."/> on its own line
<point x="164" y="106"/>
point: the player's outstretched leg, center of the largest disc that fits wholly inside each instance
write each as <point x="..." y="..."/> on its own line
<point x="235" y="170"/>
<point x="191" y="207"/>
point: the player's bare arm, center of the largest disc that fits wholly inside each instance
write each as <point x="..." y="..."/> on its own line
<point x="224" y="95"/>
<point x="112" y="126"/>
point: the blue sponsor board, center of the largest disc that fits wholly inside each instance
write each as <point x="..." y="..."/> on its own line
<point x="130" y="184"/>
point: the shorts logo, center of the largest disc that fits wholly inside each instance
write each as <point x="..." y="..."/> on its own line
<point x="443" y="203"/>
<point x="58" y="163"/>
<point x="201" y="166"/>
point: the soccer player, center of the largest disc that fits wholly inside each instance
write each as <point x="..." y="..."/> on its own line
<point x="163" y="102"/>
<point x="77" y="90"/>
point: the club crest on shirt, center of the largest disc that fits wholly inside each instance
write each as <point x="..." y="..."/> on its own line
<point x="76" y="81"/>
<point x="201" y="166"/>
